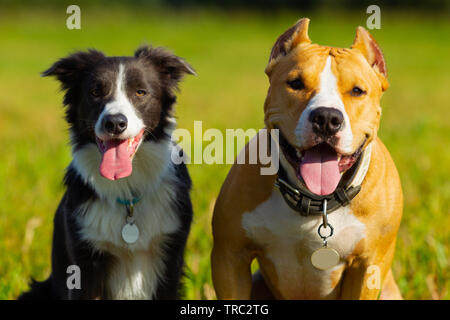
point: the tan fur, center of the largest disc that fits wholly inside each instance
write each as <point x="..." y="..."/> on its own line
<point x="378" y="207"/>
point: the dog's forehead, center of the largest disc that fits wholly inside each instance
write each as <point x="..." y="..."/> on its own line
<point x="351" y="64"/>
<point x="309" y="61"/>
<point x="106" y="69"/>
<point x="133" y="68"/>
<point x="305" y="62"/>
<point x="138" y="72"/>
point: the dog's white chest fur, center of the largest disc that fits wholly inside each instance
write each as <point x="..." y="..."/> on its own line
<point x="139" y="266"/>
<point x="103" y="221"/>
<point x="288" y="240"/>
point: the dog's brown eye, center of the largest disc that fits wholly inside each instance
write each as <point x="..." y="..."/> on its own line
<point x="357" y="91"/>
<point x="95" y="92"/>
<point x="296" y="84"/>
<point x="140" y="93"/>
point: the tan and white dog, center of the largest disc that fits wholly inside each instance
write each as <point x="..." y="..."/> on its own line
<point x="325" y="101"/>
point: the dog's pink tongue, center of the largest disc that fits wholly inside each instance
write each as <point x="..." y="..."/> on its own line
<point x="116" y="160"/>
<point x="320" y="169"/>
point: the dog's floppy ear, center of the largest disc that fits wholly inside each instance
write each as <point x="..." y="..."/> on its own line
<point x="291" y="38"/>
<point x="70" y="69"/>
<point x="367" y="45"/>
<point x="171" y="67"/>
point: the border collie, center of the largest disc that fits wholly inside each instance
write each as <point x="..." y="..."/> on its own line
<point x="125" y="217"/>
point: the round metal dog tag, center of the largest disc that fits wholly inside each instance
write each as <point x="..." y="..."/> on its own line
<point x="325" y="258"/>
<point x="130" y="233"/>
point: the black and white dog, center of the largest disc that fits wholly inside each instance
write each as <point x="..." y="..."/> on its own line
<point x="126" y="214"/>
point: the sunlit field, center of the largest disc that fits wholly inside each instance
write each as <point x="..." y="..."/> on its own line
<point x="229" y="52"/>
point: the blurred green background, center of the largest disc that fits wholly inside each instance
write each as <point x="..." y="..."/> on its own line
<point x="229" y="48"/>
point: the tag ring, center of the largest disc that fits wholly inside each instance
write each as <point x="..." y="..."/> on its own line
<point x="323" y="226"/>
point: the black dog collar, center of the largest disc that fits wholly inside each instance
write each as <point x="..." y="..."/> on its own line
<point x="307" y="203"/>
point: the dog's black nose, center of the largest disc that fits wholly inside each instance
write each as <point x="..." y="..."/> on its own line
<point x="115" y="123"/>
<point x="326" y="121"/>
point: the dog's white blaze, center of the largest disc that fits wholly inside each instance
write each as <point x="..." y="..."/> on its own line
<point x="327" y="96"/>
<point x="120" y="104"/>
<point x="139" y="266"/>
<point x="288" y="240"/>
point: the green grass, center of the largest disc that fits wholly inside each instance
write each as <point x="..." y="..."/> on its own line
<point x="229" y="52"/>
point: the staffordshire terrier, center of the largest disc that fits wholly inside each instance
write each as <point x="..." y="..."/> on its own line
<point x="325" y="226"/>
